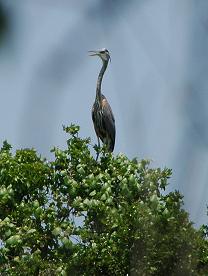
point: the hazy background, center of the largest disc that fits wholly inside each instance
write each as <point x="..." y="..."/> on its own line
<point x="157" y="82"/>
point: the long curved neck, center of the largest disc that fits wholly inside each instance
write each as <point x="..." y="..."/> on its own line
<point x="99" y="81"/>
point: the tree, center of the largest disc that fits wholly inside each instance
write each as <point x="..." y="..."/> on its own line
<point x="76" y="216"/>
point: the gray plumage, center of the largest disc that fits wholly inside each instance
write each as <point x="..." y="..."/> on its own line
<point x="102" y="115"/>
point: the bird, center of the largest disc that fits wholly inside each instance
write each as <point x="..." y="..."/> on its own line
<point x="102" y="114"/>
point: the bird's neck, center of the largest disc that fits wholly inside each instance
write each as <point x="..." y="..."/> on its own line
<point x="99" y="81"/>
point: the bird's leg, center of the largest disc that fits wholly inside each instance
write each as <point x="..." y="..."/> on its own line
<point x="98" y="147"/>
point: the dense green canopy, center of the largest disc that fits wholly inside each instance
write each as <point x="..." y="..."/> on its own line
<point x="76" y="216"/>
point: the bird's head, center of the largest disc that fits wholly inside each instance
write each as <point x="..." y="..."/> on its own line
<point x="103" y="54"/>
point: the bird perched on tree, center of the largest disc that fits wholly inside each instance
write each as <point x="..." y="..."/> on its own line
<point x="102" y="115"/>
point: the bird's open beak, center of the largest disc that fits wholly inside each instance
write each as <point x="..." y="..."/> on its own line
<point x="93" y="53"/>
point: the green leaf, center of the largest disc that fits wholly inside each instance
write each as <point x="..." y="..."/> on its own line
<point x="56" y="231"/>
<point x="93" y="193"/>
<point x="13" y="240"/>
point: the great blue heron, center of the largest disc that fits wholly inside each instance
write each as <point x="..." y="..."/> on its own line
<point x="102" y="115"/>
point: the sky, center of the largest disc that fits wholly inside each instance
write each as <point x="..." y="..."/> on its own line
<point x="156" y="83"/>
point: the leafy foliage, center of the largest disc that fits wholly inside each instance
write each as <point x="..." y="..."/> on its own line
<point x="76" y="216"/>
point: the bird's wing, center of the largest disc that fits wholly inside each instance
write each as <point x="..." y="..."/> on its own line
<point x="108" y="121"/>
